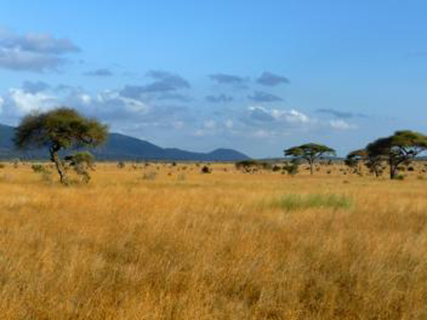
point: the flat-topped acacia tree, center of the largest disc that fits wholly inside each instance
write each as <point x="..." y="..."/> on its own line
<point x="372" y="161"/>
<point x="309" y="152"/>
<point x="59" y="129"/>
<point x="400" y="148"/>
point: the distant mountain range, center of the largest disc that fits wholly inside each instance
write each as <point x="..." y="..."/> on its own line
<point x="121" y="147"/>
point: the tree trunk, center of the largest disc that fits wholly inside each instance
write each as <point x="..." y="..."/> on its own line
<point x="54" y="157"/>
<point x="311" y="167"/>
<point x="393" y="169"/>
<point x="376" y="172"/>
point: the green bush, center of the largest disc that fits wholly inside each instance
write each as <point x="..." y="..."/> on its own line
<point x="291" y="168"/>
<point x="399" y="177"/>
<point x="294" y="202"/>
<point x="39" y="168"/>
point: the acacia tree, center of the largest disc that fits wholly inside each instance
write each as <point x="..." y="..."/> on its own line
<point x="371" y="161"/>
<point x="309" y="152"/>
<point x="59" y="129"/>
<point x="400" y="148"/>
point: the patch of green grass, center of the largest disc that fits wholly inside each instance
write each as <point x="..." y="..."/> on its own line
<point x="294" y="202"/>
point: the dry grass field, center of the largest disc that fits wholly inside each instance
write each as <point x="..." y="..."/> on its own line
<point x="164" y="242"/>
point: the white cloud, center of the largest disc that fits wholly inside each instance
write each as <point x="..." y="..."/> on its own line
<point x="341" y="125"/>
<point x="18" y="102"/>
<point x="262" y="114"/>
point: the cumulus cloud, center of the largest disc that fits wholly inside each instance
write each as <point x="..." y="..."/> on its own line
<point x="263" y="122"/>
<point x="260" y="96"/>
<point x="270" y="79"/>
<point x="261" y="114"/>
<point x="35" y="52"/>
<point x="121" y="112"/>
<point x="18" y="102"/>
<point x="221" y="98"/>
<point x="103" y="72"/>
<point x="341" y="114"/>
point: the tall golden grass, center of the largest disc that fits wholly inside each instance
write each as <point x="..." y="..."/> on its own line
<point x="226" y="245"/>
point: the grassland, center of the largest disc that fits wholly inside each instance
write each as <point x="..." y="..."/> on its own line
<point x="164" y="242"/>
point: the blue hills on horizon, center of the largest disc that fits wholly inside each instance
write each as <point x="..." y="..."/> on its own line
<point x="120" y="147"/>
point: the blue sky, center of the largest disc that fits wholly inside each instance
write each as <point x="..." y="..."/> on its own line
<point x="257" y="76"/>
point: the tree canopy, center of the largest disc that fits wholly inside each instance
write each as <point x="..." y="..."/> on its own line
<point x="371" y="161"/>
<point x="58" y="129"/>
<point x="309" y="152"/>
<point x="400" y="148"/>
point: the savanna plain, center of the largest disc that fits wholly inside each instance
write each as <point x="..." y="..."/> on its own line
<point x="164" y="241"/>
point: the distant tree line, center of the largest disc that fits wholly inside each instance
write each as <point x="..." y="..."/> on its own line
<point x="64" y="128"/>
<point x="396" y="150"/>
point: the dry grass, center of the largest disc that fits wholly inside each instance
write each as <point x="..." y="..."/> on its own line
<point x="212" y="246"/>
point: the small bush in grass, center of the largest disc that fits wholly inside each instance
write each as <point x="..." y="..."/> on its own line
<point x="313" y="201"/>
<point x="44" y="172"/>
<point x="38" y="168"/>
<point x="276" y="168"/>
<point x="82" y="163"/>
<point x="399" y="177"/>
<point x="2" y="166"/>
<point x="291" y="168"/>
<point x="206" y="169"/>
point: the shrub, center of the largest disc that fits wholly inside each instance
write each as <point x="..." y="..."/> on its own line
<point x="291" y="168"/>
<point x="45" y="173"/>
<point x="38" y="168"/>
<point x="266" y="165"/>
<point x="276" y="168"/>
<point x="399" y="177"/>
<point x="246" y="165"/>
<point x="206" y="169"/>
<point x="82" y="162"/>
